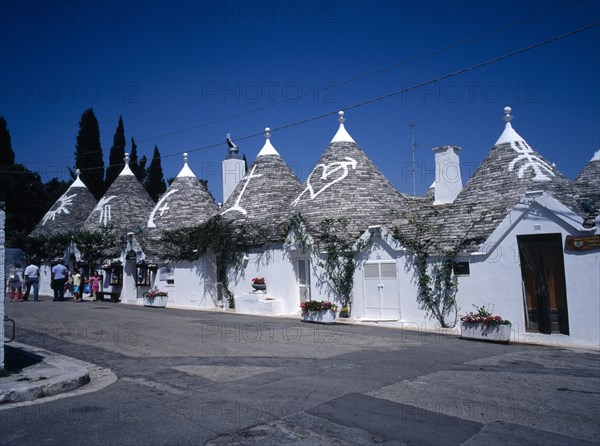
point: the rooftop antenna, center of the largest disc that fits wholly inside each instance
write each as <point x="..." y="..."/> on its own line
<point x="412" y="125"/>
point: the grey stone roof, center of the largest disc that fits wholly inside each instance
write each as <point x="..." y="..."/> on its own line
<point x="346" y="184"/>
<point x="263" y="196"/>
<point x="509" y="171"/>
<point x="125" y="206"/>
<point x="68" y="213"/>
<point x="185" y="204"/>
<point x="587" y="183"/>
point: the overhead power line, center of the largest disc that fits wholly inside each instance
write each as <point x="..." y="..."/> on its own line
<point x="347" y="81"/>
<point x="395" y="93"/>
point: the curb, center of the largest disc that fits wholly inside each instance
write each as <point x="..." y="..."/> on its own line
<point x="55" y="376"/>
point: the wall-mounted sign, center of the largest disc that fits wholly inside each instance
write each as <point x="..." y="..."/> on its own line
<point x="583" y="243"/>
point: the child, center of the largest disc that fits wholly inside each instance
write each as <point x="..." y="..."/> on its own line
<point x="95" y="285"/>
<point x="77" y="287"/>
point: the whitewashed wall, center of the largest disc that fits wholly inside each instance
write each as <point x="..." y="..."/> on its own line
<point x="276" y="266"/>
<point x="45" y="279"/>
<point x="194" y="284"/>
<point x="495" y="279"/>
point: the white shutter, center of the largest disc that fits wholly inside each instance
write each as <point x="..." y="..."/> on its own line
<point x="371" y="271"/>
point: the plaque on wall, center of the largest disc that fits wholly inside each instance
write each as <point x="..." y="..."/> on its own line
<point x="583" y="243"/>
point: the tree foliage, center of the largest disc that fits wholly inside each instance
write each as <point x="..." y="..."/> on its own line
<point x="7" y="156"/>
<point x="117" y="154"/>
<point x="27" y="200"/>
<point x="94" y="245"/>
<point x="88" y="153"/>
<point x="45" y="248"/>
<point x="137" y="166"/>
<point x="155" y="183"/>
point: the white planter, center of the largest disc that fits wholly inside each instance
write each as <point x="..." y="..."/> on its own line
<point x="496" y="333"/>
<point x="319" y="317"/>
<point x="158" y="301"/>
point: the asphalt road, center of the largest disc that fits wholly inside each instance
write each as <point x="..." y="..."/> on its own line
<point x="197" y="377"/>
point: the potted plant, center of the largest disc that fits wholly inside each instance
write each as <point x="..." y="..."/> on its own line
<point x="482" y="325"/>
<point x="345" y="312"/>
<point x="155" y="298"/>
<point x="259" y="284"/>
<point x="321" y="312"/>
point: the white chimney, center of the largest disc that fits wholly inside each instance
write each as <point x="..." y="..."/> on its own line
<point x="233" y="169"/>
<point x="448" y="182"/>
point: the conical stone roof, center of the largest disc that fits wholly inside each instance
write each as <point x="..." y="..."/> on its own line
<point x="511" y="168"/>
<point x="263" y="196"/>
<point x="69" y="212"/>
<point x="345" y="184"/>
<point x="587" y="183"/>
<point x="185" y="204"/>
<point x="124" y="207"/>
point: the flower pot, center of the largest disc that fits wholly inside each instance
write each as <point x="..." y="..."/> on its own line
<point x="485" y="332"/>
<point x="319" y="317"/>
<point x="259" y="287"/>
<point x="157" y="302"/>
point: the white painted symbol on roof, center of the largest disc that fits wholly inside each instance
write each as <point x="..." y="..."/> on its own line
<point x="105" y="210"/>
<point x="62" y="203"/>
<point x="236" y="206"/>
<point x="162" y="210"/>
<point x="327" y="171"/>
<point x="540" y="168"/>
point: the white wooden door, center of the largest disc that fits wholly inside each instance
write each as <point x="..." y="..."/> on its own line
<point x="381" y="291"/>
<point x="303" y="278"/>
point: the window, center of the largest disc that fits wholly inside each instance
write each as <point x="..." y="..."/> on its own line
<point x="462" y="269"/>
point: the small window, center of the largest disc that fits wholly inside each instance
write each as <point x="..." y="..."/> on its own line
<point x="462" y="269"/>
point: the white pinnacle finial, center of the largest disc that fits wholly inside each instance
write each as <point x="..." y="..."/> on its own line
<point x="342" y="135"/>
<point x="126" y="158"/>
<point x="185" y="157"/>
<point x="509" y="134"/>
<point x="268" y="148"/>
<point x="77" y="172"/>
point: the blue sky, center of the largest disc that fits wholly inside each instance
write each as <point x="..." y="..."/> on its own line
<point x="172" y="69"/>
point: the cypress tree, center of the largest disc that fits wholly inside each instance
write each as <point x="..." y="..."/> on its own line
<point x="117" y="154"/>
<point x="7" y="156"/>
<point x="138" y="167"/>
<point x="88" y="153"/>
<point x="155" y="183"/>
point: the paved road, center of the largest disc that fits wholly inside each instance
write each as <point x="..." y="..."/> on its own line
<point x="195" y="377"/>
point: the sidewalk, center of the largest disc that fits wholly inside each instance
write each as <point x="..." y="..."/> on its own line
<point x="48" y="376"/>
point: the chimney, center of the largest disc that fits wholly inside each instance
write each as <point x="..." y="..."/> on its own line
<point x="448" y="182"/>
<point x="233" y="169"/>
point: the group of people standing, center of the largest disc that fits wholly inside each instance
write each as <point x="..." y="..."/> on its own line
<point x="75" y="281"/>
<point x="61" y="281"/>
<point x="30" y="278"/>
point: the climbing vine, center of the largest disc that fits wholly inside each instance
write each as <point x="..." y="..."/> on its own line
<point x="227" y="241"/>
<point x="336" y="248"/>
<point x="437" y="284"/>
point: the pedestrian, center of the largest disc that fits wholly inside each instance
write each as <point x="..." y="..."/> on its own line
<point x="15" y="283"/>
<point x="59" y="278"/>
<point x="77" y="286"/>
<point x="32" y="279"/>
<point x="95" y="285"/>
